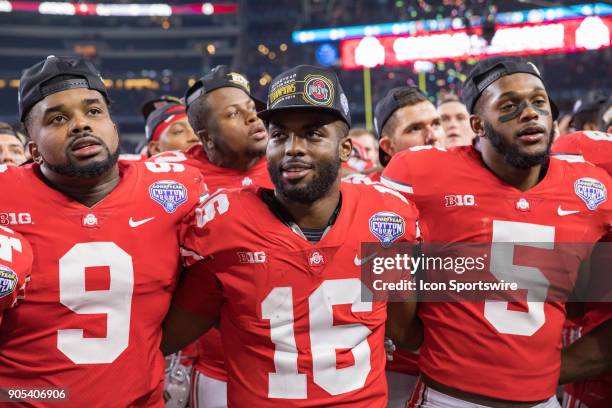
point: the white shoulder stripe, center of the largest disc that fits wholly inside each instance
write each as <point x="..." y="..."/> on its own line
<point x="572" y="158"/>
<point x="404" y="188"/>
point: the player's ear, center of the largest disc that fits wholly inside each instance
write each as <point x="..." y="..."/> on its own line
<point x="346" y="148"/>
<point x="33" y="147"/>
<point x="153" y="147"/>
<point x="385" y="145"/>
<point x="477" y="125"/>
<point x="205" y="138"/>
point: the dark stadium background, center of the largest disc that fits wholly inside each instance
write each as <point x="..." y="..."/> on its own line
<point x="143" y="53"/>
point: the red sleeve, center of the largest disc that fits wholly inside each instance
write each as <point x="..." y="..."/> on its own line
<point x="397" y="175"/>
<point x="199" y="291"/>
<point x="409" y="171"/>
<point x="15" y="266"/>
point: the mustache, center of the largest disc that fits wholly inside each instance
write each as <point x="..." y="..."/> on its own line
<point x="82" y="136"/>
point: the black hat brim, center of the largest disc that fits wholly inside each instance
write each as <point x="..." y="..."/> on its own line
<point x="266" y="114"/>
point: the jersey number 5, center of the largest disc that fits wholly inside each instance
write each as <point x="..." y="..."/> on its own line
<point x="527" y="277"/>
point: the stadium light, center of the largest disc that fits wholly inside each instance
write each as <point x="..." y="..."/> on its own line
<point x="117" y="10"/>
<point x="563" y="36"/>
<point x="411" y="27"/>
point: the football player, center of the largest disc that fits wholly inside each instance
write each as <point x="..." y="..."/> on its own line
<point x="12" y="151"/>
<point x="15" y="266"/>
<point x="368" y="140"/>
<point x="167" y="129"/>
<point x="105" y="247"/>
<point x="405" y="118"/>
<point x="505" y="188"/>
<point x="455" y="121"/>
<point x="280" y="268"/>
<point x="223" y="113"/>
<point x="594" y="147"/>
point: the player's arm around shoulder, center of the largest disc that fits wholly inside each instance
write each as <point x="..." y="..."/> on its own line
<point x="417" y="164"/>
<point x="403" y="326"/>
<point x="197" y="301"/>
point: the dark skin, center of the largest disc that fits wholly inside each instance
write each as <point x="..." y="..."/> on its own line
<point x="299" y="139"/>
<point x="512" y="104"/>
<point x="309" y="135"/>
<point x="588" y="357"/>
<point x="233" y="136"/>
<point x="56" y="123"/>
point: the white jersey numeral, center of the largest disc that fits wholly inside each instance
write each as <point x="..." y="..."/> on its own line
<point x="7" y="246"/>
<point x="217" y="203"/>
<point x="115" y="303"/>
<point x="164" y="167"/>
<point x="527" y="277"/>
<point x="325" y="339"/>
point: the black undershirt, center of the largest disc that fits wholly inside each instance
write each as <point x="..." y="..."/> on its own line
<point x="313" y="235"/>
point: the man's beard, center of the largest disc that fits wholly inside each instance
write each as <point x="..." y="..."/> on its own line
<point x="511" y="153"/>
<point x="316" y="189"/>
<point x="88" y="171"/>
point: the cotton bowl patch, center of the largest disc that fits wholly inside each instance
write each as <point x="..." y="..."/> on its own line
<point x="387" y="227"/>
<point x="169" y="194"/>
<point x="591" y="191"/>
<point x="8" y="281"/>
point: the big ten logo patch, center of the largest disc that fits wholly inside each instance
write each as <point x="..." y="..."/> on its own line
<point x="246" y="257"/>
<point x="459" y="200"/>
<point x="15" y="218"/>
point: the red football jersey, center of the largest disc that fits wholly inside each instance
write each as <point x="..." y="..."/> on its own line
<point x="210" y="359"/>
<point x="403" y="361"/>
<point x="217" y="177"/>
<point x="15" y="265"/>
<point x="101" y="284"/>
<point x="516" y="350"/>
<point x="295" y="328"/>
<point x="595" y="147"/>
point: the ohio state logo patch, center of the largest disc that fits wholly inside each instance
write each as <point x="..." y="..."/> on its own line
<point x="318" y="90"/>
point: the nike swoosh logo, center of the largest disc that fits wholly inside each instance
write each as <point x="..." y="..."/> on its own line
<point x="359" y="262"/>
<point x="564" y="212"/>
<point x="135" y="224"/>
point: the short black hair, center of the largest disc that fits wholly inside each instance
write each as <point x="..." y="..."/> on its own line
<point x="344" y="129"/>
<point x="604" y="116"/>
<point x="580" y="119"/>
<point x="198" y="113"/>
<point x="404" y="97"/>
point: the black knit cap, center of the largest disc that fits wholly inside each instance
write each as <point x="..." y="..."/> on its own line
<point x="220" y="77"/>
<point x="149" y="106"/>
<point x="389" y="104"/>
<point x="56" y="74"/>
<point x="306" y="86"/>
<point x="489" y="70"/>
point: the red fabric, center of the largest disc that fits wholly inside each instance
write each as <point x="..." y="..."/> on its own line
<point x="15" y="266"/>
<point x="210" y="359"/>
<point x="102" y="345"/>
<point x="278" y="282"/>
<point x="595" y="147"/>
<point x="164" y="125"/>
<point x="462" y="345"/>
